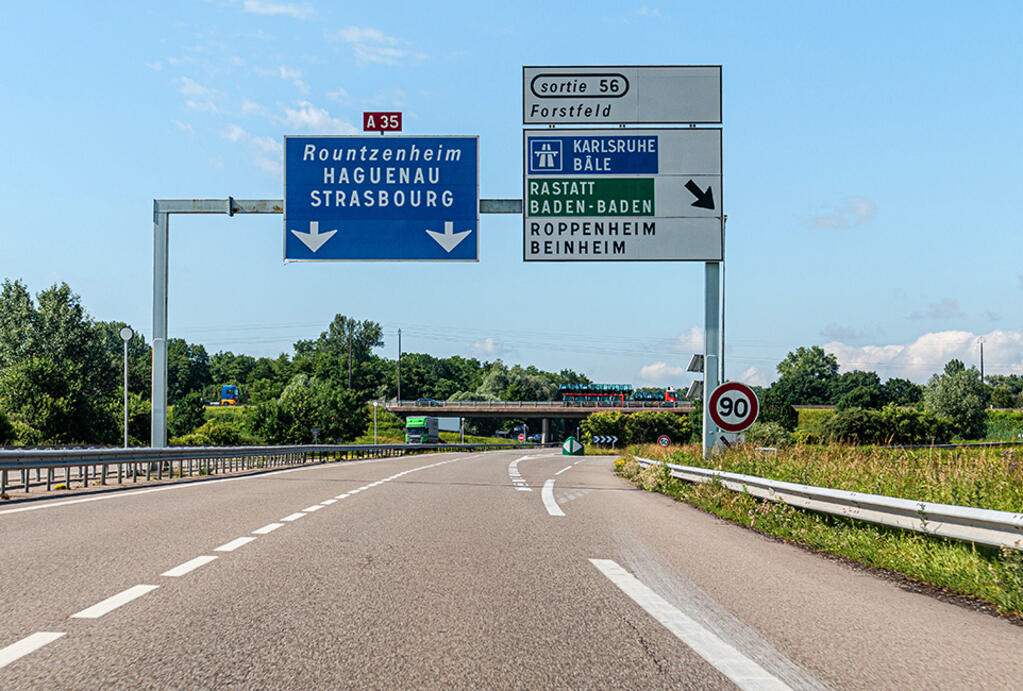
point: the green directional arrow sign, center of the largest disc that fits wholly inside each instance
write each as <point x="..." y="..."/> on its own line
<point x="571" y="447"/>
<point x="590" y="197"/>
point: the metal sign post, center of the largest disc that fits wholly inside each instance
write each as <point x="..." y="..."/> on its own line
<point x="162" y="209"/>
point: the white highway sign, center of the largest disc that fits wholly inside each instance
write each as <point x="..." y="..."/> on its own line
<point x="621" y="95"/>
<point x="622" y="195"/>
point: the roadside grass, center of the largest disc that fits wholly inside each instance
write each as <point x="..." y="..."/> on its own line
<point x="995" y="576"/>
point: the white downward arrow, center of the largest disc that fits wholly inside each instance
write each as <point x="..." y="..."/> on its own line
<point x="314" y="239"/>
<point x="449" y="239"/>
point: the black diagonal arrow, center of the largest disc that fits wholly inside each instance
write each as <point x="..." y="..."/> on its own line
<point x="704" y="200"/>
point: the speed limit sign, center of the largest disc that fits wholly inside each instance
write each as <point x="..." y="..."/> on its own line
<point x="733" y="407"/>
<point x="664" y="440"/>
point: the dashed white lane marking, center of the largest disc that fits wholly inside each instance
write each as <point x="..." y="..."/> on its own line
<point x="342" y="496"/>
<point x="328" y="502"/>
<point x="746" y="673"/>
<point x="314" y="507"/>
<point x="547" y="494"/>
<point x="113" y="602"/>
<point x="568" y="467"/>
<point x="234" y="544"/>
<point x="27" y="645"/>
<point x="268" y="528"/>
<point x="516" y="477"/>
<point x="294" y="517"/>
<point x="188" y="566"/>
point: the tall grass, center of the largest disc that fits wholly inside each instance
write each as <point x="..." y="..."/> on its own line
<point x="987" y="478"/>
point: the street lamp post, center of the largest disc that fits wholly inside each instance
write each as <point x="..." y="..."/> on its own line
<point x="374" y="422"/>
<point x="126" y="334"/>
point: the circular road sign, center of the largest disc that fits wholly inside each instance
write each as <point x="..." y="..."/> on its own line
<point x="733" y="407"/>
<point x="664" y="440"/>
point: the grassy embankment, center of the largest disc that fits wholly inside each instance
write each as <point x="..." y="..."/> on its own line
<point x="984" y="478"/>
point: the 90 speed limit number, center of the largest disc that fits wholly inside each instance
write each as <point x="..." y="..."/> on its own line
<point x="733" y="407"/>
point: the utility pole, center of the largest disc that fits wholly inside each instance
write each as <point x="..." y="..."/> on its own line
<point x="981" y="342"/>
<point x="399" y="366"/>
<point x="349" y="354"/>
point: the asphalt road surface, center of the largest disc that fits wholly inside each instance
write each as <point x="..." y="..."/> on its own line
<point x="486" y="570"/>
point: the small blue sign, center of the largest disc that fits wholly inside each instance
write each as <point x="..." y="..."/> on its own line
<point x="596" y="155"/>
<point x="381" y="198"/>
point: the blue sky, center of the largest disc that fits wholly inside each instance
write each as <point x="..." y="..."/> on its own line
<point x="872" y="175"/>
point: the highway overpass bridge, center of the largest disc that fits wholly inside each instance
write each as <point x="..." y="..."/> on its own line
<point x="545" y="410"/>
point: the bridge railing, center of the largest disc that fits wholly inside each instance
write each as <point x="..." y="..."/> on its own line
<point x="536" y="404"/>
<point x="55" y="467"/>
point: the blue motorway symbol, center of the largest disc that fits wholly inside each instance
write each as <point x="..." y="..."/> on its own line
<point x="593" y="155"/>
<point x="381" y="198"/>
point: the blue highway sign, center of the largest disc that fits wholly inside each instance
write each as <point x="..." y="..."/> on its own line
<point x="381" y="198"/>
<point x="593" y="154"/>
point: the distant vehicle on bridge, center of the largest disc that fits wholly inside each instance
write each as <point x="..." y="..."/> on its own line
<point x="422" y="430"/>
<point x="229" y="395"/>
<point x="427" y="402"/>
<point x="614" y="395"/>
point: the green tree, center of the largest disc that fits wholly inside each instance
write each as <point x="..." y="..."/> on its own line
<point x="861" y="397"/>
<point x="847" y="382"/>
<point x="901" y="392"/>
<point x="7" y="433"/>
<point x="612" y="423"/>
<point x="806" y="376"/>
<point x="958" y="395"/>
<point x="327" y="357"/>
<point x="188" y="369"/>
<point x="188" y="414"/>
<point x="307" y="403"/>
<point x="646" y="426"/>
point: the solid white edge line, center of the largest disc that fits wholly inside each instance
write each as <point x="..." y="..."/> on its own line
<point x="27" y="645"/>
<point x="547" y="494"/>
<point x="190" y="565"/>
<point x="294" y="517"/>
<point x="746" y="673"/>
<point x="268" y="528"/>
<point x="234" y="544"/>
<point x="113" y="602"/>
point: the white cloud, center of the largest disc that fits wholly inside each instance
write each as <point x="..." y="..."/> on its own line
<point x="190" y="87"/>
<point x="690" y="342"/>
<point x="754" y="377"/>
<point x="298" y="11"/>
<point x="266" y="153"/>
<point x="295" y="77"/>
<point x="252" y="108"/>
<point x="661" y="373"/>
<point x="648" y="11"/>
<point x="305" y="116"/>
<point x="339" y="95"/>
<point x="852" y="212"/>
<point x="184" y="126"/>
<point x="488" y="347"/>
<point x="372" y="45"/>
<point x="1003" y="354"/>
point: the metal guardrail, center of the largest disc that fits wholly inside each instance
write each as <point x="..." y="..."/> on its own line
<point x="64" y="466"/>
<point x="981" y="526"/>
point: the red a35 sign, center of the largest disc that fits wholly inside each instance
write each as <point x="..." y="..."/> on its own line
<point x="381" y="122"/>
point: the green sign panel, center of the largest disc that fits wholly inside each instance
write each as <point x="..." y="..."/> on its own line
<point x="590" y="197"/>
<point x="572" y="447"/>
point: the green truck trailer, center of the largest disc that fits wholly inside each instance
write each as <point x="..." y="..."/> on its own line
<point x="422" y="430"/>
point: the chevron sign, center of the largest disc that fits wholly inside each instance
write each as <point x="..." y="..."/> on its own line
<point x="604" y="440"/>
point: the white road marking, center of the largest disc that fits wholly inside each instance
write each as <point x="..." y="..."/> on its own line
<point x="294" y="517"/>
<point x="547" y="494"/>
<point x="516" y="477"/>
<point x="268" y="528"/>
<point x="328" y="502"/>
<point x="314" y="507"/>
<point x="342" y="496"/>
<point x="188" y="566"/>
<point x="113" y="602"/>
<point x="234" y="544"/>
<point x="27" y="645"/>
<point x="563" y="470"/>
<point x="746" y="673"/>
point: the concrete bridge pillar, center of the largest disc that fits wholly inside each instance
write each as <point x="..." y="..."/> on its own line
<point x="546" y="432"/>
